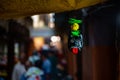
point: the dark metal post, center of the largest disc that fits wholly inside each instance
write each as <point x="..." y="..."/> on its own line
<point x="10" y="54"/>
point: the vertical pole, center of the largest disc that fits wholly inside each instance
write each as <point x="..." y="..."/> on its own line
<point x="10" y="54"/>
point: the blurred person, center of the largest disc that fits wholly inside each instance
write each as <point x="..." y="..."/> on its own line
<point x="33" y="69"/>
<point x="28" y="64"/>
<point x="36" y="53"/>
<point x="33" y="59"/>
<point x="46" y="66"/>
<point x="54" y="62"/>
<point x="19" y="68"/>
<point x="61" y="72"/>
<point x="38" y="64"/>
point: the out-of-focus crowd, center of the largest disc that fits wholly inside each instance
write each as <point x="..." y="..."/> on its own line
<point x="41" y="65"/>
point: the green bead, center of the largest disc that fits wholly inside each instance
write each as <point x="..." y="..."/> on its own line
<point x="75" y="33"/>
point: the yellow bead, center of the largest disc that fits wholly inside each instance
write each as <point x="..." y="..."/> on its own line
<point x="75" y="26"/>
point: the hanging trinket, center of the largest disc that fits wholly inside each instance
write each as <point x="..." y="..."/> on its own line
<point x="75" y="39"/>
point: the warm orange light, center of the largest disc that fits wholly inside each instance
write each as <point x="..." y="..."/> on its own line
<point x="38" y="42"/>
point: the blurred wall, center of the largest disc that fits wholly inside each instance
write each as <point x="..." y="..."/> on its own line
<point x="100" y="57"/>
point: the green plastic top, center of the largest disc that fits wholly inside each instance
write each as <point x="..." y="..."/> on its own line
<point x="72" y="21"/>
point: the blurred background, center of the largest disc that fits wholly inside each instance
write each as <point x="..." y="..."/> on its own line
<point x="46" y="36"/>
